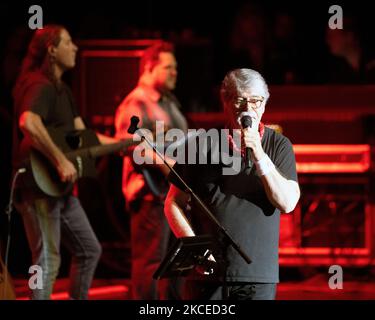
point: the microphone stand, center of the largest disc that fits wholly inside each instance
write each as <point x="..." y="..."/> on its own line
<point x="225" y="237"/>
<point x="8" y="212"/>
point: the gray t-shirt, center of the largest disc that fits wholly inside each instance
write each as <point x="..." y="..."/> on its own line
<point x="240" y="204"/>
<point x="55" y="106"/>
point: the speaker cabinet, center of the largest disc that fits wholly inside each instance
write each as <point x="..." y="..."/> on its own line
<point x="331" y="223"/>
<point x="106" y="71"/>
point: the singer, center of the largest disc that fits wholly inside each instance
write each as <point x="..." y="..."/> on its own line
<point x="247" y="204"/>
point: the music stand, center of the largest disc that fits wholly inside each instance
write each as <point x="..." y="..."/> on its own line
<point x="186" y="254"/>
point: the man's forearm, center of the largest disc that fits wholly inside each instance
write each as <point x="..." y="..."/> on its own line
<point x="32" y="126"/>
<point x="177" y="220"/>
<point x="282" y="193"/>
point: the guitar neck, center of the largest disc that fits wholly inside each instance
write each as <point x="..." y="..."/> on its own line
<point x="101" y="150"/>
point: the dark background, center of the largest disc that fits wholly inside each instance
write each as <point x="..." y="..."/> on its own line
<point x="201" y="31"/>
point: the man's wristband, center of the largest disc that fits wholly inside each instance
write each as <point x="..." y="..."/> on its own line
<point x="264" y="165"/>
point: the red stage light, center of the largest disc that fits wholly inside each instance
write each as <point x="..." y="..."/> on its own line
<point x="94" y="292"/>
<point x="336" y="158"/>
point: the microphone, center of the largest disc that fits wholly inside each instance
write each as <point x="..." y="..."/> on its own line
<point x="246" y="122"/>
<point x="133" y="124"/>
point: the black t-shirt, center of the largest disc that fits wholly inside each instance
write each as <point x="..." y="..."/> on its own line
<point x="54" y="105"/>
<point x="240" y="204"/>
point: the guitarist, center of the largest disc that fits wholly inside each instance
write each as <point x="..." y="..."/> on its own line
<point x="42" y="99"/>
<point x="145" y="187"/>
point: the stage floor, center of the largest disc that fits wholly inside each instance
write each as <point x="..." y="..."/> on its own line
<point x="314" y="287"/>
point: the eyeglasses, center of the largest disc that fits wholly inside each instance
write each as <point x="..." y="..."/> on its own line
<point x="255" y="101"/>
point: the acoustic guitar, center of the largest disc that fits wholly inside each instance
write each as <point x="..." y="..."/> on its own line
<point x="81" y="147"/>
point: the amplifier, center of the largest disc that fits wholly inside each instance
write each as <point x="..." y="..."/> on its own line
<point x="333" y="221"/>
<point x="337" y="158"/>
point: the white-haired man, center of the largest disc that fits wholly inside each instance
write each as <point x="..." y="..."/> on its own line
<point x="248" y="204"/>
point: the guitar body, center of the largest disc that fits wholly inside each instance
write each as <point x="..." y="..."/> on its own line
<point x="45" y="174"/>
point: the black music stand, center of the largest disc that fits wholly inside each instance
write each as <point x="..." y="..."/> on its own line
<point x="186" y="254"/>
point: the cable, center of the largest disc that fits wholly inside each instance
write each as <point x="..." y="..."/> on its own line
<point x="8" y="212"/>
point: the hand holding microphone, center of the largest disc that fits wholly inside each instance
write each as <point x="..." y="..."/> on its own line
<point x="251" y="137"/>
<point x="246" y="123"/>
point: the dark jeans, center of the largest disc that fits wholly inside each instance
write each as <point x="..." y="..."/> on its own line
<point x="206" y="290"/>
<point x="47" y="221"/>
<point x="150" y="235"/>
